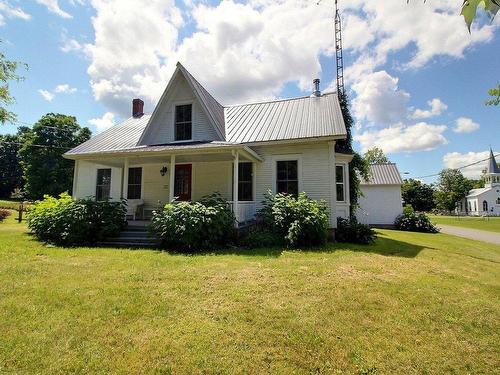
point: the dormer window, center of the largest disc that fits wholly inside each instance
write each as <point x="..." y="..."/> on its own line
<point x="183" y="122"/>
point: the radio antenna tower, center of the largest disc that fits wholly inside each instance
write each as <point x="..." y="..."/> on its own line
<point x="339" y="60"/>
<point x="338" y="51"/>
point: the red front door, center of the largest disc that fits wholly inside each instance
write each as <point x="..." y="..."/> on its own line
<point x="182" y="182"/>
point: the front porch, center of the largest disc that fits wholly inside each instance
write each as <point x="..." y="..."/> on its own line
<point x="149" y="180"/>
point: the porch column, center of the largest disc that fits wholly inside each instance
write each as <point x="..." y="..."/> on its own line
<point x="172" y="178"/>
<point x="125" y="179"/>
<point x="75" y="178"/>
<point x="235" y="185"/>
<point x="333" y="186"/>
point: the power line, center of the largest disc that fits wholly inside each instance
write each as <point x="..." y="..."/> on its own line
<point x="459" y="168"/>
<point x="39" y="125"/>
<point x="34" y="145"/>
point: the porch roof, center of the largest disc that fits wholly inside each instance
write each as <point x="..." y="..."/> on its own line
<point x="170" y="148"/>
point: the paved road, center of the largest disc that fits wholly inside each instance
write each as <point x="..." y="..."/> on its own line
<point x="473" y="234"/>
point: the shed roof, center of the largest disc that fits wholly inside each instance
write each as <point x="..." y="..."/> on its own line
<point x="383" y="174"/>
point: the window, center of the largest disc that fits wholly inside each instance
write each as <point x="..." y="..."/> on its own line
<point x="103" y="184"/>
<point x="134" y="183"/>
<point x="498" y="200"/>
<point x="287" y="177"/>
<point x="183" y="123"/>
<point x="485" y="206"/>
<point x="245" y="182"/>
<point x="340" y="183"/>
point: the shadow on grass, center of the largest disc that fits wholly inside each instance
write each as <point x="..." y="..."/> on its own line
<point x="384" y="245"/>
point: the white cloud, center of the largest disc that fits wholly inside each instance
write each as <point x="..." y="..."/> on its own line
<point x="47" y="95"/>
<point x="457" y="159"/>
<point x="7" y="10"/>
<point x="404" y="138"/>
<point x="379" y="100"/>
<point x="436" y="108"/>
<point x="104" y="122"/>
<point x="254" y="49"/>
<point x="70" y="45"/>
<point x="53" y="7"/>
<point x="65" y="89"/>
<point x="465" y="125"/>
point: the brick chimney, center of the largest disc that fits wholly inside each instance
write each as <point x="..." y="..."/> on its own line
<point x="137" y="107"/>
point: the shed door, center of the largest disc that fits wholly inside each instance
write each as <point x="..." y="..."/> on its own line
<point x="182" y="183"/>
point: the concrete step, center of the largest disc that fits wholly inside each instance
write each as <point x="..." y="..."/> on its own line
<point x="148" y="245"/>
<point x="133" y="239"/>
<point x="132" y="233"/>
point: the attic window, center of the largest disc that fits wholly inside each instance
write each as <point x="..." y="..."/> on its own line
<point x="183" y="123"/>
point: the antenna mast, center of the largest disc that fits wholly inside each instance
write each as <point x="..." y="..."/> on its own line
<point x="338" y="51"/>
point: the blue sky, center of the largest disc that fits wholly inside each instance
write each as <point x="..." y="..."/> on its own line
<point x="90" y="58"/>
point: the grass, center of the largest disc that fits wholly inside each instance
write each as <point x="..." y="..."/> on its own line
<point x="10" y="204"/>
<point x="491" y="224"/>
<point x="411" y="303"/>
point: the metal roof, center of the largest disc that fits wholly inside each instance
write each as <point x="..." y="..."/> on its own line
<point x="476" y="192"/>
<point x="118" y="137"/>
<point x="383" y="174"/>
<point x="213" y="107"/>
<point x="305" y="117"/>
<point x="492" y="164"/>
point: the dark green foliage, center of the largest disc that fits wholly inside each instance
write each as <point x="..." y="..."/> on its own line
<point x="298" y="221"/>
<point x="11" y="173"/>
<point x="452" y="187"/>
<point x="65" y="221"/>
<point x="3" y="214"/>
<point x="261" y="237"/>
<point x="45" y="170"/>
<point x="414" y="222"/>
<point x="193" y="226"/>
<point x="8" y="69"/>
<point x="419" y="195"/>
<point x="358" y="166"/>
<point x="350" y="230"/>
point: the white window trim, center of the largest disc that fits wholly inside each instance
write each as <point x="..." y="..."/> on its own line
<point x="97" y="179"/>
<point x="142" y="179"/>
<point x="176" y="104"/>
<point x="287" y="157"/>
<point x="344" y="180"/>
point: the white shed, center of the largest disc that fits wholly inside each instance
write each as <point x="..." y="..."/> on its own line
<point x="381" y="202"/>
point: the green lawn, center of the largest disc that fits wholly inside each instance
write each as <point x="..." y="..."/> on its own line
<point x="491" y="224"/>
<point x="410" y="304"/>
<point x="10" y="204"/>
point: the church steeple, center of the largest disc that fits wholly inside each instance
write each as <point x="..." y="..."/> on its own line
<point x="492" y="177"/>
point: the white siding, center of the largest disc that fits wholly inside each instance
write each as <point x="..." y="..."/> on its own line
<point x="161" y="130"/>
<point x="380" y="204"/>
<point x="87" y="179"/>
<point x="490" y="196"/>
<point x="212" y="177"/>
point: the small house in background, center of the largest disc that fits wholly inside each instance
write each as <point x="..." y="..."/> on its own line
<point x="484" y="201"/>
<point x="381" y="202"/>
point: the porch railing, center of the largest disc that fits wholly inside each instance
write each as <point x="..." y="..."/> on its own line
<point x="246" y="210"/>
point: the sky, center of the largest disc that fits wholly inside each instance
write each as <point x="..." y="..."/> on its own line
<point x="416" y="77"/>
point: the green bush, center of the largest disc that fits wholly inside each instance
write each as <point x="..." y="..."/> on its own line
<point x="192" y="226"/>
<point x="414" y="222"/>
<point x="69" y="222"/>
<point x="408" y="209"/>
<point x="261" y="237"/>
<point x="297" y="221"/>
<point x="350" y="230"/>
<point x="3" y="214"/>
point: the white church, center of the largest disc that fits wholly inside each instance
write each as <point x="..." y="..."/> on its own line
<point x="485" y="201"/>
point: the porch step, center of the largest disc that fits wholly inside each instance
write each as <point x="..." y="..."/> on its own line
<point x="132" y="236"/>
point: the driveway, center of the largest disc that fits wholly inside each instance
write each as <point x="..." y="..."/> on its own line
<point x="473" y="234"/>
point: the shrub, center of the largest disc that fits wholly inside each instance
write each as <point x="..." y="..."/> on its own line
<point x="408" y="209"/>
<point x="192" y="226"/>
<point x="414" y="222"/>
<point x="261" y="237"/>
<point x="3" y="214"/>
<point x="65" y="221"/>
<point x="297" y="221"/>
<point x="350" y="230"/>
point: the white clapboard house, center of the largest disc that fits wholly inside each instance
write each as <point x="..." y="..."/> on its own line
<point x="191" y="146"/>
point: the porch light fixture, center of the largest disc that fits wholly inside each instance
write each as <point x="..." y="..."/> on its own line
<point x="163" y="171"/>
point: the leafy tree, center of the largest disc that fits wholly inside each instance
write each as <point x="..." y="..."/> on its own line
<point x="45" y="170"/>
<point x="358" y="166"/>
<point x="11" y="173"/>
<point x="495" y="94"/>
<point x="469" y="9"/>
<point x="375" y="155"/>
<point x="417" y="194"/>
<point x="452" y="187"/>
<point x="8" y="69"/>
